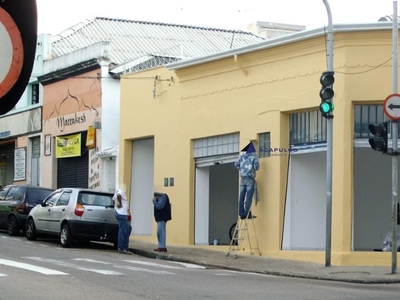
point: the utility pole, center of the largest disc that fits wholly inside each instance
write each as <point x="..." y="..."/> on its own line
<point x="394" y="146"/>
<point x="329" y="140"/>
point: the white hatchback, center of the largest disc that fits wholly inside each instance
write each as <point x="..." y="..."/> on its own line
<point x="74" y="214"/>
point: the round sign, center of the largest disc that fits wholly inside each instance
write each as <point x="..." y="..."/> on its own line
<point x="391" y="107"/>
<point x="11" y="52"/>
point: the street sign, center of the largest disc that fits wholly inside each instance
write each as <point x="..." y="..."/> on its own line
<point x="18" y="36"/>
<point x="391" y="107"/>
<point x="11" y="53"/>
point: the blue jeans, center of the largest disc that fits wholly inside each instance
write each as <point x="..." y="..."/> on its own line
<point x="162" y="234"/>
<point x="246" y="195"/>
<point x="124" y="230"/>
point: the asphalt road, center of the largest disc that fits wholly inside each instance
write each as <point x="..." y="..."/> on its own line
<point x="44" y="270"/>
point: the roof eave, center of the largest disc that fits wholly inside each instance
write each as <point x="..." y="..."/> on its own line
<point x="279" y="41"/>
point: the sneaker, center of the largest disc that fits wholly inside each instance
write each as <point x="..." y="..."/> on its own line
<point x="124" y="251"/>
<point x="160" y="249"/>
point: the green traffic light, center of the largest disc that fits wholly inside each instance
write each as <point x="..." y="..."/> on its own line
<point x="326" y="107"/>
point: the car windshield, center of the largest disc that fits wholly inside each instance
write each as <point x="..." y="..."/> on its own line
<point x="35" y="195"/>
<point x="97" y="199"/>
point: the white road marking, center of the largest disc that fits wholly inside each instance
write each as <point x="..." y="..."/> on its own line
<point x="186" y="265"/>
<point x="74" y="266"/>
<point x="30" y="267"/>
<point x="151" y="264"/>
<point x="158" y="272"/>
<point x="10" y="238"/>
<point x="92" y="260"/>
<point x="189" y="266"/>
<point x="2" y="275"/>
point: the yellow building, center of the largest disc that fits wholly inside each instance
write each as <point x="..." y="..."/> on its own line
<point x="183" y="125"/>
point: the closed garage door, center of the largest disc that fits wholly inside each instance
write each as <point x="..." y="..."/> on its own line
<point x="74" y="171"/>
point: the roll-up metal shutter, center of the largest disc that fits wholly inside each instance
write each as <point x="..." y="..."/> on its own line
<point x="74" y="171"/>
<point x="7" y="151"/>
<point x="216" y="150"/>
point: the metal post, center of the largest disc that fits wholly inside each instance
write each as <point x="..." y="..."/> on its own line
<point x="329" y="136"/>
<point x="394" y="146"/>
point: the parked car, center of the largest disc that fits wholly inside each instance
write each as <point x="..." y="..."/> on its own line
<point x="16" y="201"/>
<point x="74" y="214"/>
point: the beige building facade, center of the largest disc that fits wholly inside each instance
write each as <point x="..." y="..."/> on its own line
<point x="183" y="126"/>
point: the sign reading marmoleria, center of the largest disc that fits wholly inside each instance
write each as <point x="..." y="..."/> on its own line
<point x="68" y="145"/>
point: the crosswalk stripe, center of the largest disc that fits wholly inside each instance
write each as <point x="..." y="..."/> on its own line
<point x="30" y="267"/>
<point x="92" y="260"/>
<point x="151" y="264"/>
<point x="189" y="266"/>
<point x="1" y="275"/>
<point x="74" y="266"/>
<point x="159" y="272"/>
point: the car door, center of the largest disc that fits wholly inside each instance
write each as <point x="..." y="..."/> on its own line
<point x="3" y="206"/>
<point x="58" y="211"/>
<point x="41" y="214"/>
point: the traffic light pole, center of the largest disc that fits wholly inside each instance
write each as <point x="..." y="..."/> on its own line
<point x="394" y="146"/>
<point x="329" y="140"/>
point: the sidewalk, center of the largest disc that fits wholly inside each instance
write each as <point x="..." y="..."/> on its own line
<point x="264" y="265"/>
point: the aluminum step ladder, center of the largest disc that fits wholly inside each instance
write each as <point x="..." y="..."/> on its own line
<point x="242" y="234"/>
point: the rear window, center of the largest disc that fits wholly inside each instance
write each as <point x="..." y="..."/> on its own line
<point x="97" y="199"/>
<point x="16" y="193"/>
<point x="35" y="195"/>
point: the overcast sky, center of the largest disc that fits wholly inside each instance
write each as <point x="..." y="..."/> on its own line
<point x="55" y="16"/>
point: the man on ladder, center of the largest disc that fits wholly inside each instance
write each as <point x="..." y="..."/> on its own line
<point x="248" y="164"/>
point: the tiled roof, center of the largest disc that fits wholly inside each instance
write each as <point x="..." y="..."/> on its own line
<point x="132" y="40"/>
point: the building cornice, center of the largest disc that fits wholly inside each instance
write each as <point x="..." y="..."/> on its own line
<point x="279" y="41"/>
<point x="69" y="72"/>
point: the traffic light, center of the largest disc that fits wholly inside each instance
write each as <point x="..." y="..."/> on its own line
<point x="380" y="140"/>
<point x="326" y="94"/>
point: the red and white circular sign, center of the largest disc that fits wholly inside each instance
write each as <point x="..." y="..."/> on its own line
<point x="11" y="52"/>
<point x="391" y="107"/>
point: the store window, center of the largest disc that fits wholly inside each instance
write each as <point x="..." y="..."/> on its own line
<point x="264" y="140"/>
<point x="307" y="128"/>
<point x="35" y="93"/>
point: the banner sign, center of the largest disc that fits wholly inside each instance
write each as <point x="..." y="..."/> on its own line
<point x="68" y="146"/>
<point x="91" y="138"/>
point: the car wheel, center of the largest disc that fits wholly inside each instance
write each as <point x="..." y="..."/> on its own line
<point x="65" y="236"/>
<point x="12" y="226"/>
<point x="30" y="231"/>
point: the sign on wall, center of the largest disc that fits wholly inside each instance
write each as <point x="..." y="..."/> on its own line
<point x="19" y="164"/>
<point x="68" y="146"/>
<point x="91" y="138"/>
<point x="47" y="144"/>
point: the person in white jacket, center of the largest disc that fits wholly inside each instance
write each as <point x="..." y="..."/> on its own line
<point x="121" y="213"/>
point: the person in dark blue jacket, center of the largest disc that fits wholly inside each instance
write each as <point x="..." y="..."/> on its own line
<point x="162" y="214"/>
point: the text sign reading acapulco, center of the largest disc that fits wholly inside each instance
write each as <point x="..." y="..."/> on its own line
<point x="391" y="107"/>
